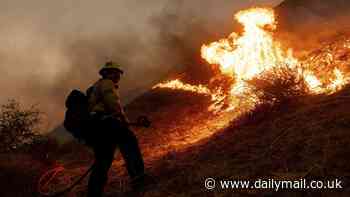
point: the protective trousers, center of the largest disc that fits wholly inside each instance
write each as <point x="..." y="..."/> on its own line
<point x="113" y="136"/>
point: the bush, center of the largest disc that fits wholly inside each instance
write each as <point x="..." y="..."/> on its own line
<point x="280" y="85"/>
<point x="18" y="126"/>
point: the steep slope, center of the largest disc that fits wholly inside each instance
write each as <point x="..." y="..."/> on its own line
<point x="303" y="141"/>
<point x="180" y="119"/>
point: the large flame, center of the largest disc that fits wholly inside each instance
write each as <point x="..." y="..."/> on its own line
<point x="255" y="51"/>
<point x="245" y="56"/>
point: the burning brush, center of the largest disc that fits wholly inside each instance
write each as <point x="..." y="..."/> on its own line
<point x="254" y="53"/>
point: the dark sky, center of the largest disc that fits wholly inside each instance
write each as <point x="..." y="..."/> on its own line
<point x="50" y="47"/>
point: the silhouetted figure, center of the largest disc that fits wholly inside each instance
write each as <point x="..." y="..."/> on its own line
<point x="109" y="130"/>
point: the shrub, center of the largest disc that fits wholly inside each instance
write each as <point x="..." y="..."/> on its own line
<point x="279" y="85"/>
<point x="18" y="126"/>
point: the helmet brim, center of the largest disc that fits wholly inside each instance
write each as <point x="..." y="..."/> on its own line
<point x="105" y="70"/>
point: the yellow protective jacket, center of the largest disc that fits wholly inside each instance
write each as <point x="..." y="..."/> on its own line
<point x="104" y="98"/>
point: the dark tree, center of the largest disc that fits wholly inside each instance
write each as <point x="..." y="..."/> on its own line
<point x="18" y="126"/>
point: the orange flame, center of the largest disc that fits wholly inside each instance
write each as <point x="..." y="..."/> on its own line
<point x="178" y="85"/>
<point x="338" y="82"/>
<point x="250" y="54"/>
<point x="245" y="56"/>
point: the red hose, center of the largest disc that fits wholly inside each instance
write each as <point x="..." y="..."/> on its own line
<point x="49" y="175"/>
<point x="46" y="178"/>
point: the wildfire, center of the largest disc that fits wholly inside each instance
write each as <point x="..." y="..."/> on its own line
<point x="313" y="83"/>
<point x="245" y="56"/>
<point x="248" y="55"/>
<point x="178" y="85"/>
<point x="338" y="82"/>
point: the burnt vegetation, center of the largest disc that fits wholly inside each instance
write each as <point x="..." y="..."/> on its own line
<point x="279" y="86"/>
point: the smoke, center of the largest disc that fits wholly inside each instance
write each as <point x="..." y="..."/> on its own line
<point x="304" y="24"/>
<point x="48" y="48"/>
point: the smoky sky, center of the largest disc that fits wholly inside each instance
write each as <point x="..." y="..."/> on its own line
<point x="48" y="48"/>
<point x="304" y="24"/>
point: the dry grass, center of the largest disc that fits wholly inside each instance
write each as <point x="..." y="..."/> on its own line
<point x="306" y="140"/>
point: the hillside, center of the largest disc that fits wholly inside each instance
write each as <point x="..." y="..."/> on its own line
<point x="306" y="137"/>
<point x="304" y="140"/>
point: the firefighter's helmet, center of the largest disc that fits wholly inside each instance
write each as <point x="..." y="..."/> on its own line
<point x="110" y="66"/>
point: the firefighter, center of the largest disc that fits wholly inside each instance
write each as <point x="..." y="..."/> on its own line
<point x="110" y="130"/>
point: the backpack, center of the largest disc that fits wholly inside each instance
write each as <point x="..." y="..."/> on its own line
<point x="76" y="118"/>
